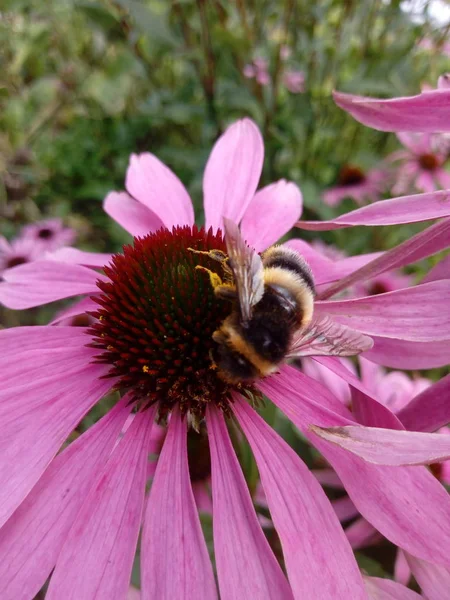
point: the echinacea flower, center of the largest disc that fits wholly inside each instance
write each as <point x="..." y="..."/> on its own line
<point x="294" y="81"/>
<point x="17" y="252"/>
<point x="421" y="165"/>
<point x="50" y="234"/>
<point x="354" y="183"/>
<point x="79" y="512"/>
<point x="33" y="242"/>
<point x="258" y="69"/>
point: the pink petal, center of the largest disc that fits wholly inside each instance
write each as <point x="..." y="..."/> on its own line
<point x="429" y="410"/>
<point x="433" y="579"/>
<point x="271" y="213"/>
<point x="385" y="589"/>
<point x="232" y="173"/>
<point x="246" y="566"/>
<point x="402" y="572"/>
<point x="428" y="242"/>
<point x="425" y="112"/>
<point x="317" y="405"/>
<point x="328" y="478"/>
<point x="439" y="271"/>
<point x="399" y="314"/>
<point x="361" y="534"/>
<point x="365" y="407"/>
<point x="319" y="560"/>
<point x="133" y="216"/>
<point x="73" y="256"/>
<point x="40" y="282"/>
<point x="97" y="558"/>
<point x="403" y="354"/>
<point x="157" y="187"/>
<point x="406" y="504"/>
<point x="32" y="538"/>
<point x="175" y="560"/>
<point x="387" y="446"/>
<point x="406" y="209"/>
<point x="333" y="382"/>
<point x="37" y="436"/>
<point x="344" y="509"/>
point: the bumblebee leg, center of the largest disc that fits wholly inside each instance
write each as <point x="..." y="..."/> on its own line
<point x="217" y="255"/>
<point x="226" y="291"/>
<point x="213" y="277"/>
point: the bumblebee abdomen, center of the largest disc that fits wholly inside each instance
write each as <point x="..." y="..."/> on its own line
<point x="269" y="335"/>
<point x="289" y="260"/>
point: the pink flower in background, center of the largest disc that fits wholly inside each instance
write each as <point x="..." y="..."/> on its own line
<point x="357" y="184"/>
<point x="50" y="234"/>
<point x="294" y="81"/>
<point x="258" y="69"/>
<point x="33" y="242"/>
<point x="17" y="252"/>
<point x="421" y="165"/>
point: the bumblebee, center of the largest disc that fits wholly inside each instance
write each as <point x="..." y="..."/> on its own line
<point x="271" y="320"/>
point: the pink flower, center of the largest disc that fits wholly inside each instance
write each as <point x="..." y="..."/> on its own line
<point x="33" y="242"/>
<point x="50" y="234"/>
<point x="80" y="512"/>
<point x="421" y="164"/>
<point x="17" y="252"/>
<point x="258" y="69"/>
<point x="356" y="184"/>
<point x="294" y="81"/>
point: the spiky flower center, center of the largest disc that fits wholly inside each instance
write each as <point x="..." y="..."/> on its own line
<point x="157" y="314"/>
<point x="351" y="175"/>
<point x="45" y="233"/>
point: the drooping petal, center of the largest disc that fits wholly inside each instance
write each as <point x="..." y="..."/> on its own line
<point x="175" y="560"/>
<point x="31" y="439"/>
<point x="271" y="213"/>
<point x="387" y="446"/>
<point x="333" y="382"/>
<point x="246" y="566"/>
<point x="157" y="187"/>
<point x="134" y="217"/>
<point x="428" y="242"/>
<point x="426" y="112"/>
<point x="396" y="211"/>
<point x="386" y="589"/>
<point x="41" y="282"/>
<point x="406" y="504"/>
<point x="432" y="578"/>
<point x="96" y="560"/>
<point x="31" y="540"/>
<point x="405" y="354"/>
<point x="429" y="410"/>
<point x="328" y="478"/>
<point x="232" y="173"/>
<point x="399" y="314"/>
<point x="73" y="256"/>
<point x="318" y="558"/>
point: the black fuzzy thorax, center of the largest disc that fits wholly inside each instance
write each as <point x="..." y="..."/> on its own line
<point x="270" y="329"/>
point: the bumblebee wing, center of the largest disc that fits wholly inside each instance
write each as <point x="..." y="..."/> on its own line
<point x="247" y="268"/>
<point x="324" y="337"/>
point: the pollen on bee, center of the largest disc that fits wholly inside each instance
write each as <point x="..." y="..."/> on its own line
<point x="214" y="277"/>
<point x="145" y="369"/>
